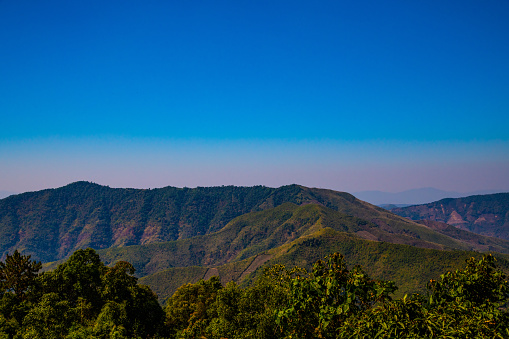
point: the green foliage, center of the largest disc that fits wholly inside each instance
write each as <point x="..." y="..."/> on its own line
<point x="77" y="280"/>
<point x="118" y="282"/>
<point x="17" y="274"/>
<point x="112" y="321"/>
<point x="190" y="309"/>
<point x="480" y="283"/>
<point x="51" y="318"/>
<point x="321" y="301"/>
<point x="461" y="304"/>
<point x="81" y="298"/>
<point x="249" y="312"/>
<point x="333" y="301"/>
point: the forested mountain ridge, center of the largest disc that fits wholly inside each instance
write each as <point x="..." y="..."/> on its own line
<point x="174" y="236"/>
<point x="482" y="214"/>
<point x="51" y="224"/>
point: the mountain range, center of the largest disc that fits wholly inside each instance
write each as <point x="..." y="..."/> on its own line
<point x="482" y="214"/>
<point x="177" y="235"/>
<point x="414" y="196"/>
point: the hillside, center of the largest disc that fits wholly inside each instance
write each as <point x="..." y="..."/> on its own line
<point x="299" y="235"/>
<point x="173" y="236"/>
<point x="410" y="267"/>
<point x="257" y="232"/>
<point x="51" y="224"/>
<point x="482" y="214"/>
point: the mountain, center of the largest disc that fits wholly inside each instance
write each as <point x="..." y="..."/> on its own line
<point x="258" y="232"/>
<point x="300" y="235"/>
<point x="409" y="266"/>
<point x="177" y="235"/>
<point x="411" y="197"/>
<point x="482" y="214"/>
<point x="53" y="223"/>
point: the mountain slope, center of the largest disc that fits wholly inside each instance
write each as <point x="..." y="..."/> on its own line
<point x="174" y="236"/>
<point x="410" y="267"/>
<point x="256" y="233"/>
<point x="482" y="214"/>
<point x="51" y="224"/>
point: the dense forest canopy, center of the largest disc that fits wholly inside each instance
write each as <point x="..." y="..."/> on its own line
<point x="83" y="298"/>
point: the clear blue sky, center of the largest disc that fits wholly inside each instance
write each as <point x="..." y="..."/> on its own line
<point x="348" y="95"/>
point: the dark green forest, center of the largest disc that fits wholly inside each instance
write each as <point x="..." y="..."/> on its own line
<point x="84" y="298"/>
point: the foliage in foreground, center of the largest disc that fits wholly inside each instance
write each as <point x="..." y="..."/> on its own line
<point x="83" y="298"/>
<point x="332" y="301"/>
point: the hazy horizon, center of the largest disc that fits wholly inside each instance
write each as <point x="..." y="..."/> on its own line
<point x="4" y="193"/>
<point x="356" y="96"/>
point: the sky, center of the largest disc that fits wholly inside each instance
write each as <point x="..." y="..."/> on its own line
<point x="346" y="95"/>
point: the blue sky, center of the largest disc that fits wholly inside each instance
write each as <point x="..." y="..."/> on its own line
<point x="348" y="95"/>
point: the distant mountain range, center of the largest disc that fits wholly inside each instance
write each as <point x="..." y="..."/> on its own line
<point x="482" y="214"/>
<point x="174" y="235"/>
<point x="413" y="197"/>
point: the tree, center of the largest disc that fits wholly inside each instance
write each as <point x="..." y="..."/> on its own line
<point x="118" y="282"/>
<point x="320" y="302"/>
<point x="18" y="274"/>
<point x="78" y="280"/>
<point x="51" y="318"/>
<point x="81" y="298"/>
<point x="192" y="306"/>
<point x="466" y="303"/>
<point x="247" y="313"/>
<point x="144" y="316"/>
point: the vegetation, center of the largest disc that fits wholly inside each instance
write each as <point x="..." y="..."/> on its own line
<point x="257" y="232"/>
<point x="83" y="298"/>
<point x="223" y="274"/>
<point x="51" y="224"/>
<point x="410" y="267"/>
<point x="332" y="301"/>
